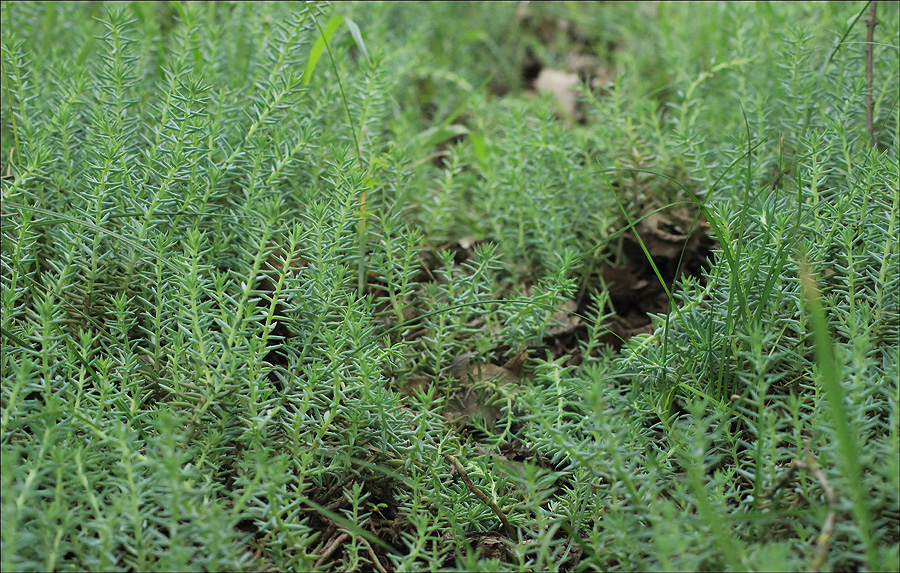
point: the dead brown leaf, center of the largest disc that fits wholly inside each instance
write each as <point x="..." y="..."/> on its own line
<point x="515" y="363"/>
<point x="563" y="87"/>
<point x="492" y="547"/>
<point x="565" y="320"/>
<point x="480" y="381"/>
<point x="414" y="383"/>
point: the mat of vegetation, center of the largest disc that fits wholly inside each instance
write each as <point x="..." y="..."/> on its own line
<point x="450" y="286"/>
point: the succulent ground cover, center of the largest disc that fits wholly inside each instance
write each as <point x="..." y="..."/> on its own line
<point x="450" y="286"/>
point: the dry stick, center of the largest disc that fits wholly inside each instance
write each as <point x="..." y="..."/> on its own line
<point x="478" y="493"/>
<point x="871" y="21"/>
<point x="335" y="543"/>
<point x="824" y="540"/>
<point x="435" y="155"/>
<point x="374" y="557"/>
<point x="788" y="476"/>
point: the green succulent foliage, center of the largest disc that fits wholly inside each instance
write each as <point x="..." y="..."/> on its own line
<point x="223" y="255"/>
<point x="152" y="182"/>
<point x="729" y="382"/>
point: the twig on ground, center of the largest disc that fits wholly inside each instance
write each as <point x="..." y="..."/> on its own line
<point x="508" y="529"/>
<point x="823" y="542"/>
<point x="335" y="543"/>
<point x="374" y="557"/>
<point x="435" y="155"/>
<point x="788" y="476"/>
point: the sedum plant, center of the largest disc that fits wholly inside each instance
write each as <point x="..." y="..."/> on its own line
<point x="200" y="227"/>
<point x="261" y="263"/>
